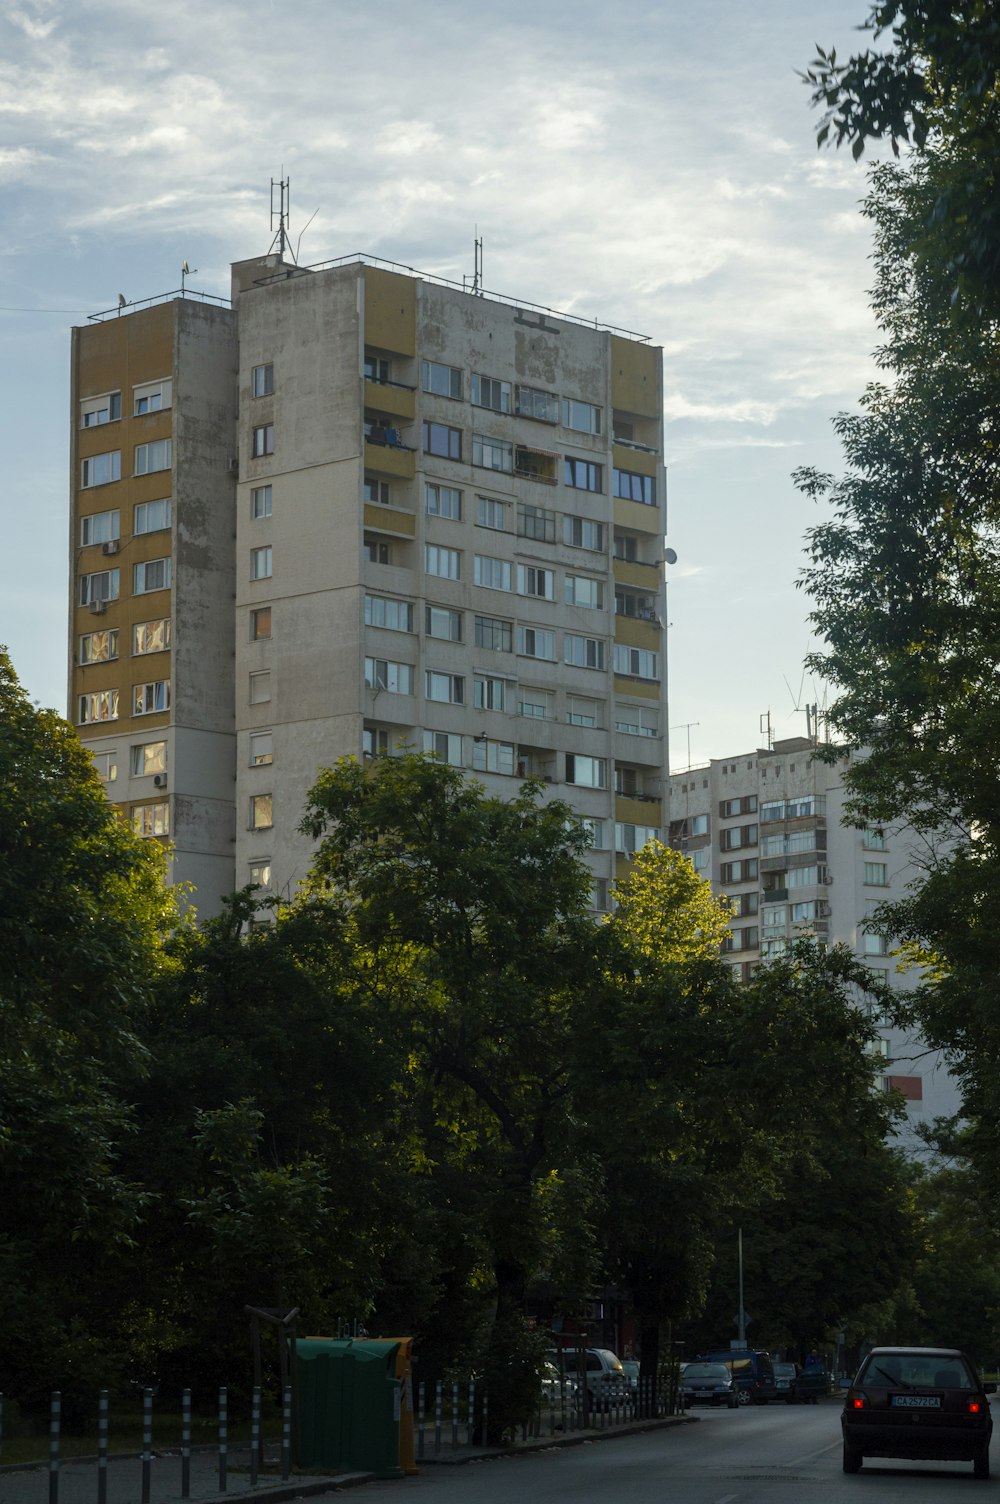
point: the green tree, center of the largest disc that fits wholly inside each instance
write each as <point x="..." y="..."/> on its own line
<point x="83" y="915"/>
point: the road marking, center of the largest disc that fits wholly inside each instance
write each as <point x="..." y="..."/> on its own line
<point x="810" y="1455"/>
<point x="726" y="1499"/>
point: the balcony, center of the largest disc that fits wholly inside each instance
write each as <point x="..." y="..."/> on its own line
<point x="380" y="518"/>
<point x="391" y="398"/>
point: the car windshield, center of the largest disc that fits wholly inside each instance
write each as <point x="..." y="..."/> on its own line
<point x="784" y="1370"/>
<point x="916" y="1371"/>
<point x="706" y="1371"/>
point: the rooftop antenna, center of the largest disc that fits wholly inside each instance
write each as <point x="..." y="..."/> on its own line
<point x="476" y="287"/>
<point x="686" y="726"/>
<point x="811" y="712"/>
<point x="282" y="241"/>
<point x="186" y="272"/>
<point x="765" y="720"/>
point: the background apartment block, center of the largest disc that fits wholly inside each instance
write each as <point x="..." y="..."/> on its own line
<point x="766" y="829"/>
<point x="438" y="525"/>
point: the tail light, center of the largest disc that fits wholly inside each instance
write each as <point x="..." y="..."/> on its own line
<point x="857" y="1402"/>
<point x="973" y="1407"/>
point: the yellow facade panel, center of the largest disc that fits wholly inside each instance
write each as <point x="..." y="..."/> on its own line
<point x="383" y="459"/>
<point x="380" y="519"/>
<point x="635" y="377"/>
<point x="396" y="401"/>
<point x="643" y="576"/>
<point x="637" y="460"/>
<point x="638" y="811"/>
<point x="638" y="689"/>
<point x="636" y="517"/>
<point x="390" y="311"/>
<point x="638" y="634"/>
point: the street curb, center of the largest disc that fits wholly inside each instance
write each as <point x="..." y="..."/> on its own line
<point x="549" y="1443"/>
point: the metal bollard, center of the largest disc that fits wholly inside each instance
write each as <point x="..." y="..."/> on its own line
<point x="454" y="1414"/>
<point x="420" y="1418"/>
<point x="438" y="1415"/>
<point x="186" y="1444"/>
<point x="486" y="1415"/>
<point x="223" y="1440"/>
<point x="147" y="1444"/>
<point x="471" y="1424"/>
<point x="55" y="1422"/>
<point x="286" y="1433"/>
<point x="254" y="1436"/>
<point x="102" y="1447"/>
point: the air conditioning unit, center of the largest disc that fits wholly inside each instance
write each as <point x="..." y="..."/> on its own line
<point x="98" y="607"/>
<point x="111" y="547"/>
<point x="159" y="780"/>
<point x="234" y="465"/>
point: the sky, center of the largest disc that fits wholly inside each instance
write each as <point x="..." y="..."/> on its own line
<point x="652" y="166"/>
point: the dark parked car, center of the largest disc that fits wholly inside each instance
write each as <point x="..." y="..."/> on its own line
<point x="918" y="1402"/>
<point x="785" y="1380"/>
<point x="708" y="1384"/>
<point x="751" y="1370"/>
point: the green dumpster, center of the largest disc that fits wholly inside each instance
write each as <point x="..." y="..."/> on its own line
<point x="348" y="1406"/>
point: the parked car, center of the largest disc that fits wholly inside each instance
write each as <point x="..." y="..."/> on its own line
<point x="559" y="1390"/>
<point x="630" y="1368"/>
<point x="918" y="1402"/>
<point x="814" y="1381"/>
<point x="751" y="1370"/>
<point x="708" y="1384"/>
<point x="785" y="1381"/>
<point x="605" y="1378"/>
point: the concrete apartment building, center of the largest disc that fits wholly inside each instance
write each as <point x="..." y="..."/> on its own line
<point x="765" y="828"/>
<point x="371" y="511"/>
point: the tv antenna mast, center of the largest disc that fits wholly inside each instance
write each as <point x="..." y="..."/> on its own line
<point x="813" y="713"/>
<point x="282" y="241"/>
<point x="476" y="285"/>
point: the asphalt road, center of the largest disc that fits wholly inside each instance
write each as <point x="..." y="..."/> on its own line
<point x="773" y="1454"/>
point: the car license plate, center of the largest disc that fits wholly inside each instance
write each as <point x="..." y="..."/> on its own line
<point x="917" y="1401"/>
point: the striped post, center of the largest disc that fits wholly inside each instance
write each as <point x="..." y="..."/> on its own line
<point x="486" y="1415"/>
<point x="454" y="1414"/>
<point x="223" y="1439"/>
<point x="438" y="1409"/>
<point x="102" y="1447"/>
<point x="147" y="1444"/>
<point x="254" y="1436"/>
<point x="420" y="1418"/>
<point x="472" y="1413"/>
<point x="286" y="1433"/>
<point x="185" y="1444"/>
<point x="55" y="1422"/>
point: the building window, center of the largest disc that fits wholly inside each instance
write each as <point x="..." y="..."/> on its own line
<point x="771" y="948"/>
<point x="449" y="689"/>
<point x="377" y="369"/>
<point x="493" y="454"/>
<point x="580" y="590"/>
<point x="490" y="694"/>
<point x="102" y="527"/>
<point x="536" y="522"/>
<point x="493" y="757"/>
<point x="151" y="398"/>
<point x="802" y="877"/>
<point x="102" y="586"/>
<point x="375" y="741"/>
<point x="744" y="871"/>
<point x="583" y="416"/>
<point x="583" y="712"/>
<point x="146" y="758"/>
<point x="394" y="678"/>
<point x="443" y="441"/>
<point x="105" y="766"/>
<point x="536" y="704"/>
<point x="875" y="945"/>
<point x="376" y="490"/>
<point x="638" y="606"/>
<point x="533" y="581"/>
<point x="492" y="574"/>
<point x="440" y="621"/>
<point x="632" y="838"/>
<point x="149" y="698"/>
<point x="260" y="502"/>
<point x="262" y="440"/>
<point x="151" y="636"/>
<point x="260" y="624"/>
<point x="383" y="611"/>
<point x="446" y="563"/>
<point x="260" y="687"/>
<point x="632" y="487"/>
<point x="376" y="550"/>
<point x="262" y="381"/>
<point x="794" y="842"/>
<point x="101" y="705"/>
<point x="260" y="873"/>
<point x="99" y="647"/>
<point x="531" y="402"/>
<point x="583" y="475"/>
<point x="494" y="634"/>
<point x="96" y="411"/>
<point x="489" y="393"/>
<point x="491" y="513"/>
<point x="261" y="748"/>
<point x="637" y="720"/>
<point x="734" y="837"/>
<point x="583" y="652"/>
<point x="637" y="663"/>
<point x="443" y="747"/>
<point x="587" y="772"/>
<point x="746" y="805"/>
<point x="627" y="547"/>
<point x="536" y="464"/>
<point x="261" y="811"/>
<point x="444" y="501"/>
<point x="443" y="381"/>
<point x="595" y="829"/>
<point x="101" y="469"/>
<point x="152" y="516"/>
<point x="874" y="840"/>
<point x="153" y="574"/>
<point x="260" y="563"/>
<point x="536" y="642"/>
<point x="151" y="819"/>
<point x="581" y="532"/>
<point x="155" y="456"/>
<point x="877" y="874"/>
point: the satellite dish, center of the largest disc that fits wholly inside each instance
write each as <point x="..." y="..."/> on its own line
<point x="670" y="556"/>
<point x="121" y="300"/>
